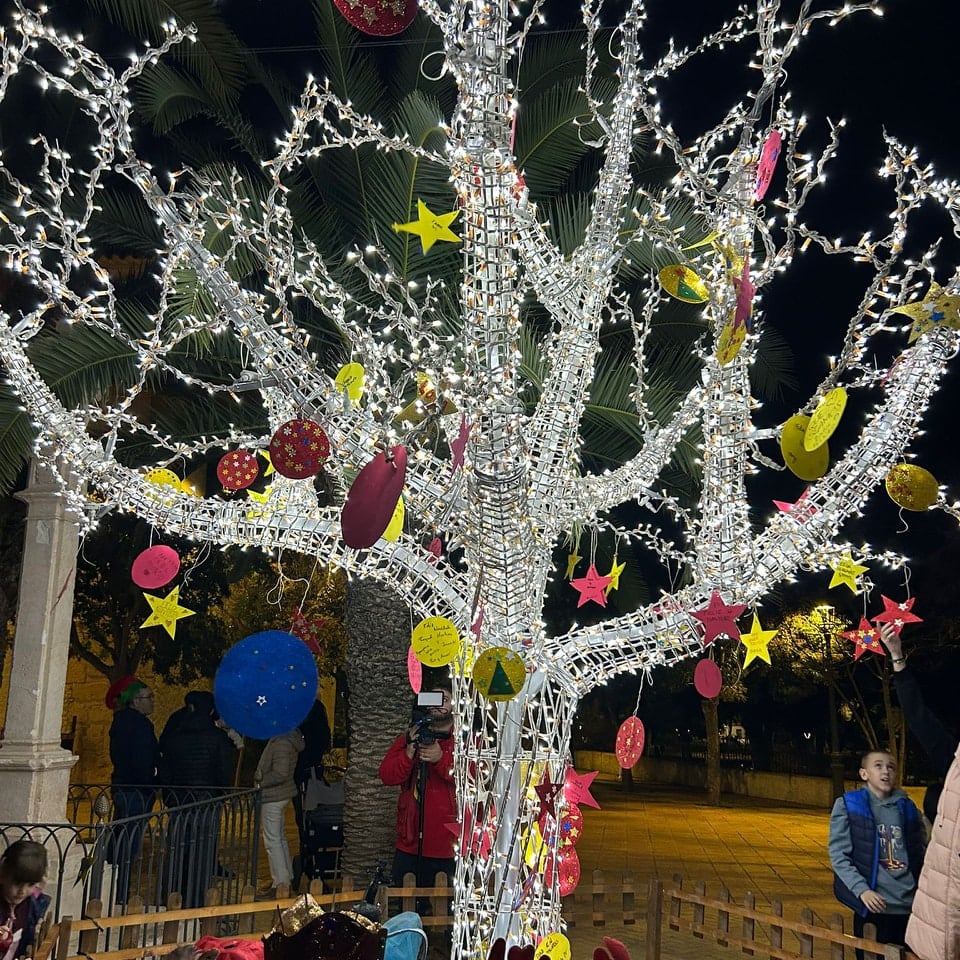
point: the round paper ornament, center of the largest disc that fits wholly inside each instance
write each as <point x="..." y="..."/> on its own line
<point x="768" y="163"/>
<point x="571" y="825"/>
<point x="499" y="673"/>
<point x="683" y="284"/>
<point x="379" y="18"/>
<point x="414" y="671"/>
<point x="806" y="464"/>
<point x="435" y="641"/>
<point x="708" y="679"/>
<point x="298" y="449"/>
<point x="161" y="477"/>
<point x="731" y="339"/>
<point x="266" y="684"/>
<point x="237" y="470"/>
<point x="825" y="419"/>
<point x="351" y="379"/>
<point x="912" y="487"/>
<point x="554" y="946"/>
<point x="155" y="567"/>
<point x="372" y="499"/>
<point x="630" y="739"/>
<point x="395" y="526"/>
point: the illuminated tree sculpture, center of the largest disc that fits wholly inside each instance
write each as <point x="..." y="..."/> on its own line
<point x="497" y="479"/>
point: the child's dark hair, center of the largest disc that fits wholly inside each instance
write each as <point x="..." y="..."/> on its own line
<point x="24" y="861"/>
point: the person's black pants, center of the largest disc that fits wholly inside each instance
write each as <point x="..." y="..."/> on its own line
<point x="891" y="928"/>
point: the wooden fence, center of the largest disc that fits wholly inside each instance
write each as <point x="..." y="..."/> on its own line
<point x="668" y="909"/>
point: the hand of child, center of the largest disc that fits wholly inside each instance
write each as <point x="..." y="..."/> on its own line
<point x="873" y="901"/>
<point x="891" y="639"/>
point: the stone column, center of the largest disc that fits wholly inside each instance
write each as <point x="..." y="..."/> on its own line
<point x="34" y="768"/>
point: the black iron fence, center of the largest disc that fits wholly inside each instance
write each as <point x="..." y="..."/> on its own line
<point x="126" y="842"/>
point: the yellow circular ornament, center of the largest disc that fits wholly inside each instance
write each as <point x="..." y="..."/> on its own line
<point x="825" y="419"/>
<point x="351" y="378"/>
<point x="554" y="946"/>
<point x="435" y="641"/>
<point x="534" y="847"/>
<point x="912" y="487"/>
<point x="395" y="526"/>
<point x="499" y="673"/>
<point x="683" y="284"/>
<point x="162" y="477"/>
<point x="731" y="339"/>
<point x="806" y="464"/>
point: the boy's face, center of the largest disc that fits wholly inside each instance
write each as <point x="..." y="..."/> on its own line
<point x="879" y="773"/>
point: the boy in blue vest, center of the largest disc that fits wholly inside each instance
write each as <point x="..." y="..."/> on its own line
<point x="876" y="850"/>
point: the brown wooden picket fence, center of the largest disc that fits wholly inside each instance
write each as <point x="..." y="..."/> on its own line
<point x="597" y="902"/>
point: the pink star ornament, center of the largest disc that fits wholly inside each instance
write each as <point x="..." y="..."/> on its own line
<point x="719" y="618"/>
<point x="576" y="788"/>
<point x="592" y="587"/>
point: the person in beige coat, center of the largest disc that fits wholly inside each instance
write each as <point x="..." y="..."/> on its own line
<point x="274" y="777"/>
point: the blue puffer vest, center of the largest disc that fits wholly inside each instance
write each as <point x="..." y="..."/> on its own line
<point x="866" y="844"/>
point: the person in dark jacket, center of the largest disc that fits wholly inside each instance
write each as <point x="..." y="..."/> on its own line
<point x="135" y="755"/>
<point x="876" y="850"/>
<point x="23" y="867"/>
<point x="196" y="764"/>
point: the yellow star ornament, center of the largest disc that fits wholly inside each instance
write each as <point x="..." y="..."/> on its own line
<point x="936" y="309"/>
<point x="573" y="558"/>
<point x="430" y="227"/>
<point x="846" y="571"/>
<point x="757" y="640"/>
<point x="166" y="612"/>
<point x="614" y="574"/>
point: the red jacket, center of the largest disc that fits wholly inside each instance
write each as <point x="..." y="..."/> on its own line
<point x="440" y="830"/>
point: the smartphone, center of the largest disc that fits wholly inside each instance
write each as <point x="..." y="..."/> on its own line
<point x="432" y="698"/>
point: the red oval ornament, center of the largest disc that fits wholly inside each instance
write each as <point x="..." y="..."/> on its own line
<point x="379" y="18"/>
<point x="568" y="871"/>
<point x="630" y="740"/>
<point x="155" y="567"/>
<point x="571" y="825"/>
<point x="237" y="470"/>
<point x="298" y="449"/>
<point x="708" y="679"/>
<point x="372" y="499"/>
<point x="768" y="163"/>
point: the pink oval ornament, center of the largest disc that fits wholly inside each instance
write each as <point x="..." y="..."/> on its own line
<point x="155" y="567"/>
<point x="372" y="499"/>
<point x="768" y="163"/>
<point x="568" y="870"/>
<point x="630" y="740"/>
<point x="708" y="679"/>
<point x="414" y="671"/>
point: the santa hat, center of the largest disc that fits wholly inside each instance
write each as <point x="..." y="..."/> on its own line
<point x="122" y="691"/>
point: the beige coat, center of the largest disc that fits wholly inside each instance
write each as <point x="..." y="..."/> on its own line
<point x="277" y="763"/>
<point x="933" y="932"/>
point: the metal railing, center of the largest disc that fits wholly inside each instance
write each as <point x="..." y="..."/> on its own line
<point x="132" y="842"/>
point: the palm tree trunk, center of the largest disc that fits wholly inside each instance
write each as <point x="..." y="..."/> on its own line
<point x="378" y="635"/>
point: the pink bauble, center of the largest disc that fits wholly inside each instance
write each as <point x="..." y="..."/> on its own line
<point x="155" y="567"/>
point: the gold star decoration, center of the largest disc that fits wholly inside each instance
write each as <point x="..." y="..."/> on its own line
<point x="430" y="227"/>
<point x="260" y="498"/>
<point x="846" y="571"/>
<point x="936" y="309"/>
<point x="266" y="456"/>
<point x="572" y="560"/>
<point x="166" y="611"/>
<point x="614" y="574"/>
<point x="757" y="641"/>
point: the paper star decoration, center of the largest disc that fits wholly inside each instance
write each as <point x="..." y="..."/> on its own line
<point x="459" y="445"/>
<point x="936" y="309"/>
<point x="548" y="793"/>
<point x="166" y="611"/>
<point x="846" y="571"/>
<point x="719" y="618"/>
<point x="897" y="613"/>
<point x="865" y="638"/>
<point x="576" y="788"/>
<point x="757" y="641"/>
<point x="591" y="587"/>
<point x="429" y="226"/>
<point x="614" y="574"/>
<point x="266" y="456"/>
<point x="801" y="511"/>
<point x="572" y="560"/>
<point x="477" y="624"/>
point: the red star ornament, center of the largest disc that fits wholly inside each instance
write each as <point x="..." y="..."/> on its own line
<point x="548" y="793"/>
<point x="576" y="788"/>
<point x="897" y="613"/>
<point x="801" y="511"/>
<point x="308" y="631"/>
<point x="719" y="618"/>
<point x="459" y="445"/>
<point x="592" y="587"/>
<point x="865" y="637"/>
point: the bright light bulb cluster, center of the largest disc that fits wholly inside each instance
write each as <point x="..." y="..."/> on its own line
<point x="521" y="487"/>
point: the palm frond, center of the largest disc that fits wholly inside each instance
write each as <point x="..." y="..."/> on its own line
<point x="124" y="224"/>
<point x="774" y="367"/>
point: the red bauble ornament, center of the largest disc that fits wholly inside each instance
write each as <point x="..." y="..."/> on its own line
<point x="298" y="449"/>
<point x="372" y="499"/>
<point x="379" y="18"/>
<point x="237" y="470"/>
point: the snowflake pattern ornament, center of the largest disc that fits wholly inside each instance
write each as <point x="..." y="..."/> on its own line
<point x="237" y="470"/>
<point x="298" y="449"/>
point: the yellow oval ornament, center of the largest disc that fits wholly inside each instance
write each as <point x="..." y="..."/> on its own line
<point x="806" y="464"/>
<point x="554" y="946"/>
<point x="683" y="284"/>
<point x="499" y="673"/>
<point x="395" y="526"/>
<point x="350" y="378"/>
<point x="731" y="339"/>
<point x="912" y="487"/>
<point x="162" y="477"/>
<point x="435" y="641"/>
<point x="825" y="419"/>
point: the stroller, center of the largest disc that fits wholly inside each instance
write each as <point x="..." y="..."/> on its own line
<point x="319" y="810"/>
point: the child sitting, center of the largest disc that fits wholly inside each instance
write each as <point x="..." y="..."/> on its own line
<point x="22" y="904"/>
